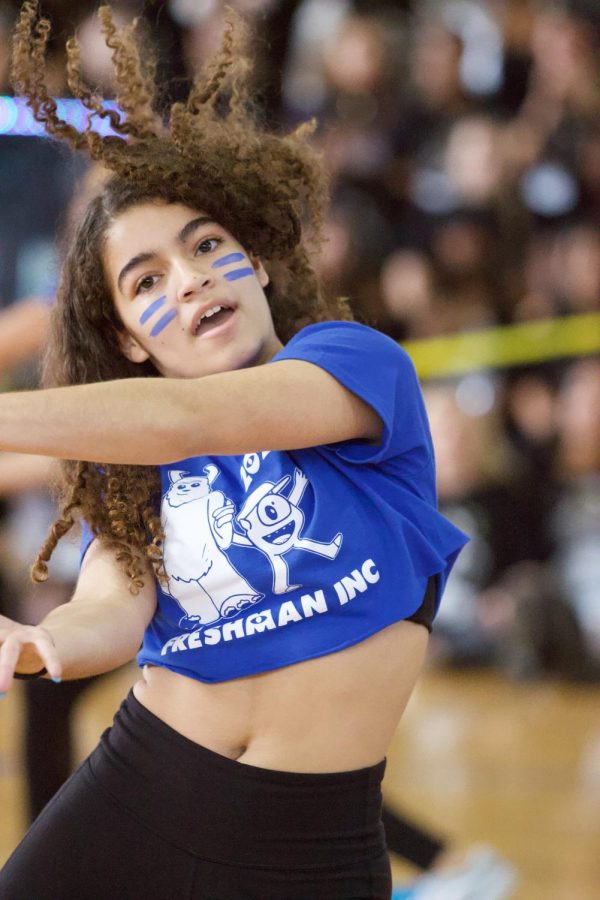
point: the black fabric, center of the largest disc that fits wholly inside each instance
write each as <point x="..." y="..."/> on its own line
<point x="48" y="737"/>
<point x="406" y="839"/>
<point x="20" y="676"/>
<point x="151" y="814"/>
<point x="425" y="614"/>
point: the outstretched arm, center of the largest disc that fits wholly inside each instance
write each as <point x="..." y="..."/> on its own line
<point x="100" y="629"/>
<point x="288" y="404"/>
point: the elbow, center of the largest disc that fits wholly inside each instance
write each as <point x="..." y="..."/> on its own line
<point x="180" y="433"/>
<point x="168" y="442"/>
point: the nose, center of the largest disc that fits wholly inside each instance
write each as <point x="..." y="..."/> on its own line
<point x="192" y="282"/>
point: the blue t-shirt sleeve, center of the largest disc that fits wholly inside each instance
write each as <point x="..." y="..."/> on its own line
<point x="376" y="369"/>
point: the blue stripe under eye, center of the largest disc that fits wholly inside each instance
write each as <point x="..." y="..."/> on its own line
<point x="163" y="322"/>
<point x="227" y="260"/>
<point x="238" y="273"/>
<point x="152" y="309"/>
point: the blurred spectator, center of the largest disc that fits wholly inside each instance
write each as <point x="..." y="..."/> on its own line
<point x="576" y="516"/>
<point x="30" y="510"/>
<point x="409" y="295"/>
<point x="37" y="180"/>
<point x="196" y="26"/>
<point x="534" y="630"/>
<point x="484" y="487"/>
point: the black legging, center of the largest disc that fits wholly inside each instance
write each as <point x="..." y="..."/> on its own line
<point x="49" y="762"/>
<point x="406" y="839"/>
<point x="49" y="738"/>
<point x="151" y="814"/>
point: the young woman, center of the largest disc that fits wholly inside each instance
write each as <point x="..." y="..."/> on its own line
<point x="257" y="487"/>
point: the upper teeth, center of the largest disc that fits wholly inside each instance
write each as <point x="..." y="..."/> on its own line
<point x="211" y="312"/>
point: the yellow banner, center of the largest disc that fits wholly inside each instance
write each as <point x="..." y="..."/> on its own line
<point x="507" y="345"/>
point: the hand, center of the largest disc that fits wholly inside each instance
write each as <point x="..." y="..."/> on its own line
<point x="28" y="648"/>
<point x="300" y="482"/>
<point x="222" y="524"/>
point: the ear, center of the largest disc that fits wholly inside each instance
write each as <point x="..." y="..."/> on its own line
<point x="211" y="473"/>
<point x="277" y="488"/>
<point x="261" y="272"/>
<point x="130" y="348"/>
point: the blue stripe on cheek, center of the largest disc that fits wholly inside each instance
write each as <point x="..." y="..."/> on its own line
<point x="152" y="309"/>
<point x="226" y="260"/>
<point x="239" y="273"/>
<point x="163" y="322"/>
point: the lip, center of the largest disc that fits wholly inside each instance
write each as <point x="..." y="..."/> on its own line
<point x="202" y="309"/>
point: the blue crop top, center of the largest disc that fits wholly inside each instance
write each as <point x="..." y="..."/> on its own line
<point x="277" y="557"/>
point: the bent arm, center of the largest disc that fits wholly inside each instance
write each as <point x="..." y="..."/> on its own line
<point x="20" y="473"/>
<point x="289" y="404"/>
<point x="23" y="330"/>
<point x="100" y="629"/>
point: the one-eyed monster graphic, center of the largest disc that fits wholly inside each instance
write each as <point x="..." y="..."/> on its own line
<point x="197" y="523"/>
<point x="272" y="524"/>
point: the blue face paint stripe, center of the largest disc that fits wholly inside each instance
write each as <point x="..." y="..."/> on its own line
<point x="238" y="273"/>
<point x="163" y="322"/>
<point x="226" y="260"/>
<point x="152" y="309"/>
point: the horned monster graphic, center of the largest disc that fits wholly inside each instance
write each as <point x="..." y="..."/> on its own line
<point x="272" y="524"/>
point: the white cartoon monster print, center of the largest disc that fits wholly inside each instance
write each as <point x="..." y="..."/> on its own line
<point x="197" y="523"/>
<point x="272" y="524"/>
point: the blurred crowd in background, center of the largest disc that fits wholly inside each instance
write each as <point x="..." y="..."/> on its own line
<point x="463" y="142"/>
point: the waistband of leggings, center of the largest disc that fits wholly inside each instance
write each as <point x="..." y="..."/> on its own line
<point x="230" y="812"/>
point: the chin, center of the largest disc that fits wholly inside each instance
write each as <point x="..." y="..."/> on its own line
<point x="229" y="358"/>
<point x="235" y="358"/>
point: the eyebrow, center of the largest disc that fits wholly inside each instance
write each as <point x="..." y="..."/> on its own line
<point x="150" y="254"/>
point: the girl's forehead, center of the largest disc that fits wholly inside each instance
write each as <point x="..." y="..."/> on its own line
<point x="150" y="227"/>
<point x="156" y="214"/>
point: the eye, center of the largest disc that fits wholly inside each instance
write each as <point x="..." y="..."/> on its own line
<point x="208" y="245"/>
<point x="145" y="284"/>
<point x="273" y="508"/>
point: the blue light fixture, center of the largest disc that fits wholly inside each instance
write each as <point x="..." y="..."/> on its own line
<point x="16" y="117"/>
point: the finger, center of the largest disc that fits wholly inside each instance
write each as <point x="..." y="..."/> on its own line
<point x="51" y="657"/>
<point x="40" y="638"/>
<point x="9" y="654"/>
<point x="47" y="651"/>
<point x="13" y="647"/>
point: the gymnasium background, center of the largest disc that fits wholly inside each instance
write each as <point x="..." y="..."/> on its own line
<point x="463" y="141"/>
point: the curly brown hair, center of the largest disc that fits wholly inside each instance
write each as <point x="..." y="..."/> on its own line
<point x="267" y="189"/>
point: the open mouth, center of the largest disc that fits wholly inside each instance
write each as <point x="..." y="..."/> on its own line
<point x="212" y="318"/>
<point x="281" y="535"/>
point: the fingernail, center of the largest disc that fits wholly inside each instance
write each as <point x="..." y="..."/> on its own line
<point x="56" y="679"/>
